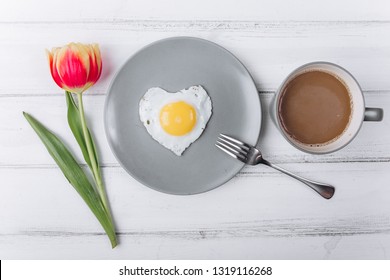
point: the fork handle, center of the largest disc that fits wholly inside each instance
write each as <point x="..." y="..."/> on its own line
<point x="325" y="190"/>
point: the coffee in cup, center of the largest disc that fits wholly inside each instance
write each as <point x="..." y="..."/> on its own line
<point x="320" y="108"/>
<point x="315" y="107"/>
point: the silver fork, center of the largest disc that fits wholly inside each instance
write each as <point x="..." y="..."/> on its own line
<point x="250" y="155"/>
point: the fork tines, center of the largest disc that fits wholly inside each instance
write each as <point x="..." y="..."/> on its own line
<point x="233" y="147"/>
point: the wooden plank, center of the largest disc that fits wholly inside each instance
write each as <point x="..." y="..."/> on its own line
<point x="25" y="10"/>
<point x="270" y="50"/>
<point x="375" y="246"/>
<point x="259" y="202"/>
<point x="249" y="217"/>
<point x="20" y="146"/>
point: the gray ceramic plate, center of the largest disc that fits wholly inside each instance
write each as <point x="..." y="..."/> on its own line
<point x="174" y="64"/>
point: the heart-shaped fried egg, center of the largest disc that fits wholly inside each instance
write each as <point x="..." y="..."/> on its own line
<point x="175" y="120"/>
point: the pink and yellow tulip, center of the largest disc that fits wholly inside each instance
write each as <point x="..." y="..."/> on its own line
<point x="75" y="67"/>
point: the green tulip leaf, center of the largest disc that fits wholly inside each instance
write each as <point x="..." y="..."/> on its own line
<point x="75" y="175"/>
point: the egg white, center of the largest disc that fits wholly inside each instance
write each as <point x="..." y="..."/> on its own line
<point x="156" y="98"/>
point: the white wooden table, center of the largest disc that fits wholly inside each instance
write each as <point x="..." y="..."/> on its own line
<point x="259" y="214"/>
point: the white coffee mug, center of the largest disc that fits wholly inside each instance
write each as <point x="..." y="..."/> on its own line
<point x="359" y="112"/>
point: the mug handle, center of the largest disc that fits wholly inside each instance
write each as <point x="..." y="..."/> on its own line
<point x="373" y="114"/>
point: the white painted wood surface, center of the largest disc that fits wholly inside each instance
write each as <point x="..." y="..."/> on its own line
<point x="260" y="214"/>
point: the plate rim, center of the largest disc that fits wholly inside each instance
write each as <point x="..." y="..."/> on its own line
<point x="109" y="90"/>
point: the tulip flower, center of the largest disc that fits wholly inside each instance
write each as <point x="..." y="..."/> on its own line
<point x="75" y="68"/>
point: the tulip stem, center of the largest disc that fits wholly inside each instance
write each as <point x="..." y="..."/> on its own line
<point x="95" y="168"/>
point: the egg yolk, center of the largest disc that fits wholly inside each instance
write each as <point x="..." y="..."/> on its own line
<point x="178" y="118"/>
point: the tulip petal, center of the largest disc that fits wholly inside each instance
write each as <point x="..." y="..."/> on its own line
<point x="95" y="63"/>
<point x="58" y="55"/>
<point x="72" y="70"/>
<point x="53" y="70"/>
<point x="81" y="51"/>
<point x="98" y="57"/>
